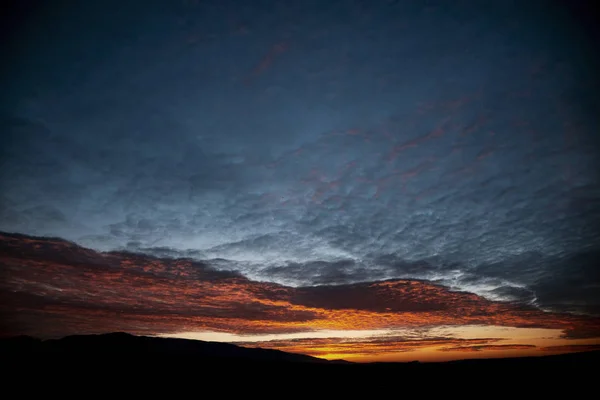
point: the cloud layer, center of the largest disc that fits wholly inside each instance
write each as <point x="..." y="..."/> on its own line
<point x="51" y="287"/>
<point x="311" y="145"/>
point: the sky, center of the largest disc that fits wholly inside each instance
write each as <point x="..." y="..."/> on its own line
<point x="368" y="180"/>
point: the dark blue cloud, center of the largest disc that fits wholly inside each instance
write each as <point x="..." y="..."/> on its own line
<point x="311" y="143"/>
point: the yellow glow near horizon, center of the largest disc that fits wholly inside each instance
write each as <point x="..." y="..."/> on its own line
<point x="318" y="334"/>
<point x="442" y="343"/>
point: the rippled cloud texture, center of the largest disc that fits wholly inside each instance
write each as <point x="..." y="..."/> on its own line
<point x="53" y="288"/>
<point x="451" y="146"/>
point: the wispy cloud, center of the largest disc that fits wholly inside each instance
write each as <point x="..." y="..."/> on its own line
<point x="294" y="150"/>
<point x="341" y="347"/>
<point x="487" y="347"/>
<point x="52" y="288"/>
<point x="572" y="347"/>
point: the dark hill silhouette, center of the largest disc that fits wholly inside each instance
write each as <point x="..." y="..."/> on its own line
<point x="124" y="344"/>
<point x="118" y="360"/>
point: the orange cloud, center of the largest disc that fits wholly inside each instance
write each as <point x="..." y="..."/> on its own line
<point x="359" y="347"/>
<point x="54" y="288"/>
<point x="572" y="347"/>
<point x="490" y="347"/>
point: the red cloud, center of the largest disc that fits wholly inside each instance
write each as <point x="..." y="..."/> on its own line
<point x="572" y="347"/>
<point x="486" y="347"/>
<point x="53" y="288"/>
<point x="360" y="347"/>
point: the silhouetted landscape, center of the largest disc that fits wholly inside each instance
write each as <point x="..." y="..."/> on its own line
<point x="123" y="346"/>
<point x="130" y="345"/>
<point x="346" y="195"/>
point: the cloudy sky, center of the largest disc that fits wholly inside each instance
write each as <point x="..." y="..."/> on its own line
<point x="384" y="169"/>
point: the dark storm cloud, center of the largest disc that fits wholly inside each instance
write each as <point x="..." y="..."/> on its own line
<point x="306" y="143"/>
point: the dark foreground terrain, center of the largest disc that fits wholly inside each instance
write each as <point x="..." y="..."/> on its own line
<point x="119" y="365"/>
<point x="150" y="351"/>
<point x="126" y="345"/>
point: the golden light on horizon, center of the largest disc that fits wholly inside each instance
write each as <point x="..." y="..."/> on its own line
<point x="436" y="344"/>
<point x="394" y="320"/>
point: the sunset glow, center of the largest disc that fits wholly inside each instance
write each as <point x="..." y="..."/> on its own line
<point x="398" y="320"/>
<point x="338" y="184"/>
